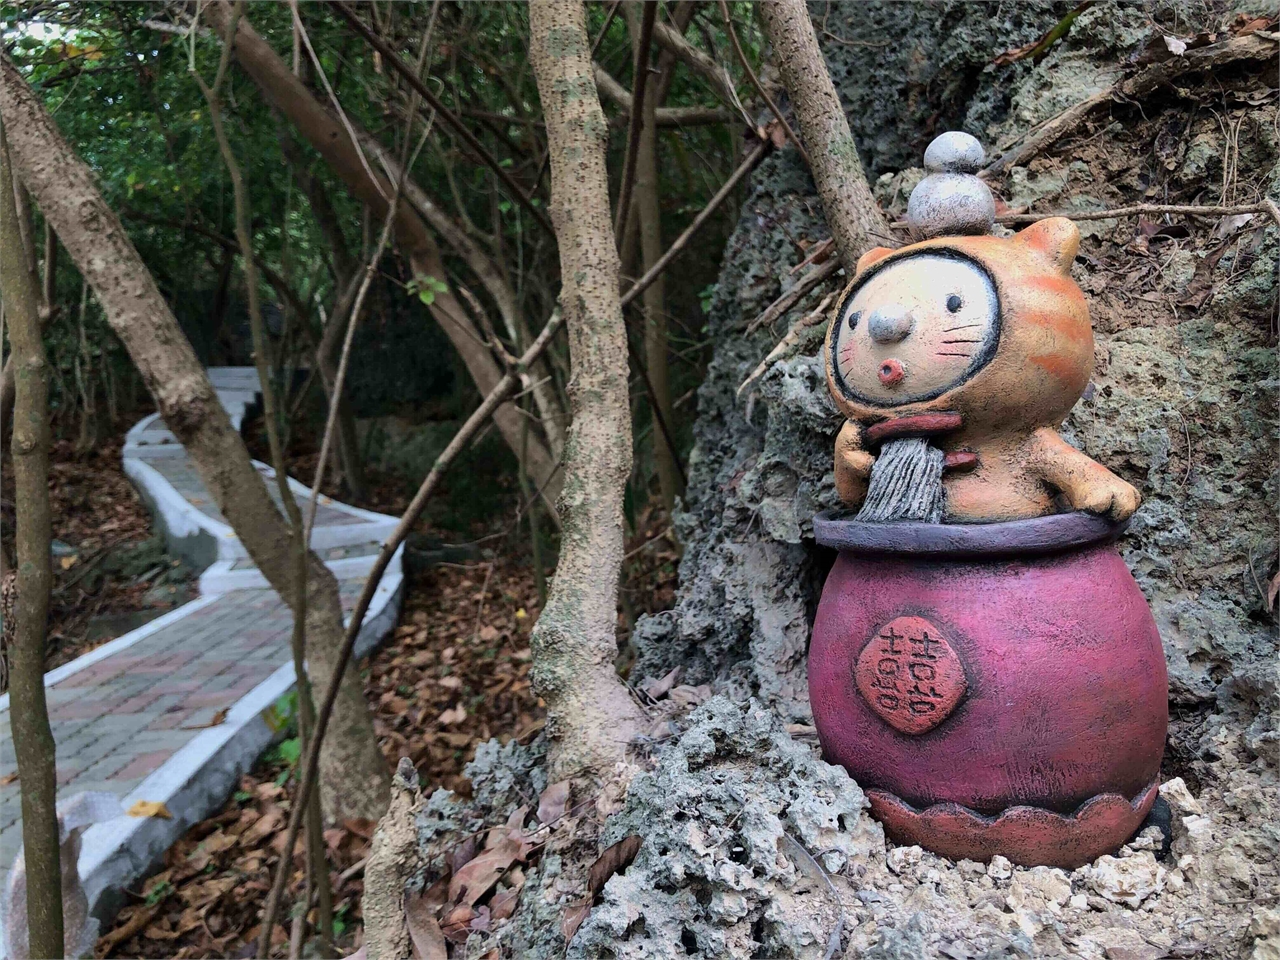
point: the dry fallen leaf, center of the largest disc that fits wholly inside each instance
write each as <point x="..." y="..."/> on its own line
<point x="454" y="715"/>
<point x="424" y="930"/>
<point x="475" y="878"/>
<point x="553" y="802"/>
<point x="504" y="903"/>
<point x="456" y="923"/>
<point x="574" y="914"/>
<point x="615" y="859"/>
<point x="150" y="808"/>
<point x="8" y="778"/>
<point x="657" y="688"/>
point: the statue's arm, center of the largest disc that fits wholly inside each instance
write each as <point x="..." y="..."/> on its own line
<point x="853" y="464"/>
<point x="1087" y="484"/>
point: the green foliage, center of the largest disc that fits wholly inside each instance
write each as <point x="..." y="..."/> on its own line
<point x="158" y="893"/>
<point x="426" y="289"/>
<point x="123" y="95"/>
<point x="289" y="750"/>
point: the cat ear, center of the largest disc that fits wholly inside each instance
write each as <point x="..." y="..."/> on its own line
<point x="871" y="257"/>
<point x="1056" y="240"/>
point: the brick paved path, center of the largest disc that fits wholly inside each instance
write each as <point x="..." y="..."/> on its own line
<point x="122" y="713"/>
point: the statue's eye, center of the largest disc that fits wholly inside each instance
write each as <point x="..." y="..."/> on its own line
<point x="954" y="303"/>
<point x="854" y="318"/>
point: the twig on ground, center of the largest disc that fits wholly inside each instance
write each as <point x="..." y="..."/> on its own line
<point x="809" y="281"/>
<point x="814" y="867"/>
<point x="811" y="319"/>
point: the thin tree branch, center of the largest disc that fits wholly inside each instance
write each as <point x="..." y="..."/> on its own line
<point x="815" y="316"/>
<point x="608" y="22"/>
<point x="333" y="98"/>
<point x="396" y="62"/>
<point x="670" y="39"/>
<point x="639" y="82"/>
<point x="851" y="210"/>
<point x="656" y="409"/>
<point x="340" y="377"/>
<point x="789" y="299"/>
<point x="762" y="150"/>
<point x="616" y="93"/>
<point x="309" y="764"/>
<point x="755" y="82"/>
<point x="26" y="614"/>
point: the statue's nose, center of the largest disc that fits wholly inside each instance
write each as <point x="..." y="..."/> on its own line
<point x="890" y="323"/>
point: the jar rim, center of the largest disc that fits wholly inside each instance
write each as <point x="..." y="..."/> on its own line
<point x="1032" y="536"/>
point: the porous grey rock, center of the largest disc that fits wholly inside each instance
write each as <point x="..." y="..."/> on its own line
<point x="1127" y="881"/>
<point x="716" y="875"/>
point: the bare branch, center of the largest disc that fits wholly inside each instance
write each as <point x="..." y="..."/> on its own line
<point x="852" y="212"/>
<point x="307" y="774"/>
<point x="755" y="82"/>
<point x="396" y="62"/>
<point x="641" y="81"/>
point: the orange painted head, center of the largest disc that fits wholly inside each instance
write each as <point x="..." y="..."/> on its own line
<point x="993" y="328"/>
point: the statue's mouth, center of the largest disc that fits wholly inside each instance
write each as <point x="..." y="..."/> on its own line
<point x="891" y="373"/>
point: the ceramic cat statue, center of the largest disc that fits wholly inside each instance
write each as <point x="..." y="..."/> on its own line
<point x="982" y="662"/>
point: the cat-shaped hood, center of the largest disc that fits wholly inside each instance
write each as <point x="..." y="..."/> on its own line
<point x="1024" y="369"/>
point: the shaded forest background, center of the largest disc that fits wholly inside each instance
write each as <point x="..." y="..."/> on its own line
<point x="723" y="587"/>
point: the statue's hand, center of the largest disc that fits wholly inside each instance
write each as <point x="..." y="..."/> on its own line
<point x="853" y="465"/>
<point x="1088" y="485"/>
<point x="1108" y="496"/>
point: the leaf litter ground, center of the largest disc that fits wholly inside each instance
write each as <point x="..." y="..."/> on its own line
<point x="453" y="674"/>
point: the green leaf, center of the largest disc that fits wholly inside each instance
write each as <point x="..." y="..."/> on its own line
<point x="290" y="750"/>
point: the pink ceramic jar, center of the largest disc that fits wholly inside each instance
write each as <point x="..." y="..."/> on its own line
<point x="995" y="688"/>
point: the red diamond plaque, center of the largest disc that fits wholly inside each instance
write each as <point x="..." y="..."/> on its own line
<point x="910" y="676"/>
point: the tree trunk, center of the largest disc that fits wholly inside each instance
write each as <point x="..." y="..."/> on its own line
<point x="327" y="135"/>
<point x="344" y="269"/>
<point x="353" y="777"/>
<point x="590" y="715"/>
<point x="653" y="298"/>
<point x="29" y="716"/>
<point x="48" y="287"/>
<point x="852" y="212"/>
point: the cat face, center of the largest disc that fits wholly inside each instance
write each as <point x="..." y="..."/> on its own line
<point x="992" y="328"/>
<point x="915" y="329"/>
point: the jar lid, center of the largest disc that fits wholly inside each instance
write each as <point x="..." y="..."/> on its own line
<point x="1033" y="536"/>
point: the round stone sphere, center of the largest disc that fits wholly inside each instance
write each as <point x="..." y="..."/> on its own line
<point x="948" y="204"/>
<point x="954" y="152"/>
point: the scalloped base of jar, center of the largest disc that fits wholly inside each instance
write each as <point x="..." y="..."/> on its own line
<point x="1029" y="836"/>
